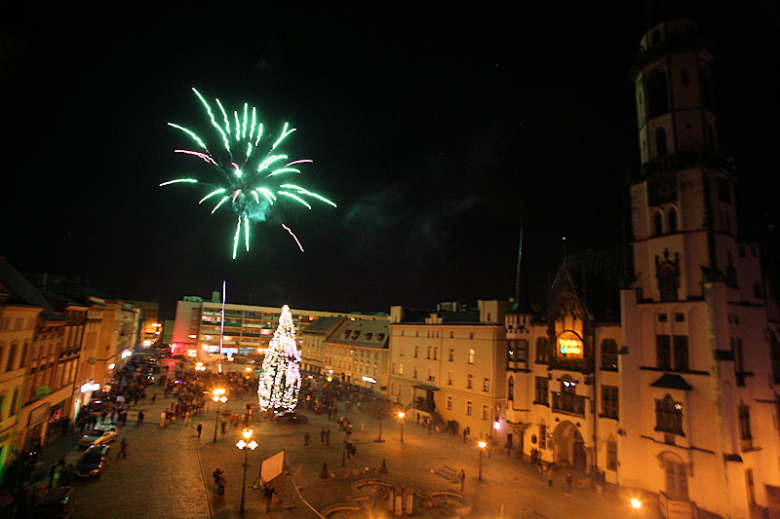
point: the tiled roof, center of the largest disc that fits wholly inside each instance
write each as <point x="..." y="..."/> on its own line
<point x="361" y="333"/>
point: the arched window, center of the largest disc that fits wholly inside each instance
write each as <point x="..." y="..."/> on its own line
<point x="658" y="223"/>
<point x="667" y="282"/>
<point x="657" y="95"/>
<point x="660" y="142"/>
<point x="676" y="476"/>
<point x="510" y="392"/>
<point x="11" y="362"/>
<point x="671" y="220"/>
<point x="14" y="402"/>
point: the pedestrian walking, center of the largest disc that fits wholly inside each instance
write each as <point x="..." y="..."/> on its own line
<point x="569" y="480"/>
<point x="140" y="418"/>
<point x="322" y="435"/>
<point x="465" y="432"/>
<point x="306" y="439"/>
<point x="268" y="495"/>
<point x="550" y="475"/>
<point x="224" y="424"/>
<point x="200" y="429"/>
<point x="219" y="481"/>
<point x="154" y="397"/>
<point x="163" y="417"/>
<point x="122" y="448"/>
<point x="462" y="478"/>
<point x="327" y="436"/>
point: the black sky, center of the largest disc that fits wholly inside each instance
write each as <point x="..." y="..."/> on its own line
<point x="434" y="128"/>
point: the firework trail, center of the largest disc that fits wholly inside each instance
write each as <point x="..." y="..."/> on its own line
<point x="252" y="171"/>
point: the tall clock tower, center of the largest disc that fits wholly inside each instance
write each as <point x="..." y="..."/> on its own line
<point x="696" y="378"/>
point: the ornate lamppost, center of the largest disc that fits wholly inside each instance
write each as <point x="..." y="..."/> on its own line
<point x="482" y="444"/>
<point x="401" y="415"/>
<point x="219" y="396"/>
<point x="246" y="447"/>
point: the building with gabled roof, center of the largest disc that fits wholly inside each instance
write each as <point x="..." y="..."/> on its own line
<point x="356" y="353"/>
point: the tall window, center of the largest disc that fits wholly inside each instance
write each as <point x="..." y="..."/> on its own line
<point x="416" y="351"/>
<point x="486" y="385"/>
<point x="612" y="454"/>
<point x="542" y="391"/>
<point x="452" y="355"/>
<point x="541" y="350"/>
<point x="449" y="403"/>
<point x="658" y="224"/>
<point x="10" y="363"/>
<point x="472" y="356"/>
<point x="542" y="436"/>
<point x="774" y="349"/>
<point x="469" y="408"/>
<point x="429" y="352"/>
<point x="663" y="352"/>
<point x="671" y="220"/>
<point x="449" y="377"/>
<point x="660" y="142"/>
<point x="510" y="393"/>
<point x="469" y="381"/>
<point x="485" y="412"/>
<point x="676" y="478"/>
<point x="668" y="415"/>
<point x="680" y="343"/>
<point x="609" y="402"/>
<point x="744" y="427"/>
<point x="609" y="355"/>
<point x="657" y="96"/>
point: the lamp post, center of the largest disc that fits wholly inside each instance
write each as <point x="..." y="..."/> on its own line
<point x="482" y="444"/>
<point x="219" y="396"/>
<point x="246" y="447"/>
<point x="401" y="415"/>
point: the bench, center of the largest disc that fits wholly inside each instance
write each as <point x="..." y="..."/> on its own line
<point x="448" y="473"/>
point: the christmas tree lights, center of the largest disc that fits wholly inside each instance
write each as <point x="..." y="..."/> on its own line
<point x="281" y="378"/>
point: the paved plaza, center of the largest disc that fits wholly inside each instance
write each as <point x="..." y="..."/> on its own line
<point x="167" y="473"/>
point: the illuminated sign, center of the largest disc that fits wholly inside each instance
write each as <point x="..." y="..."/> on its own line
<point x="369" y="379"/>
<point x="569" y="343"/>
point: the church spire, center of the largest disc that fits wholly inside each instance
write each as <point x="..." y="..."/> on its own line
<point x="520" y="304"/>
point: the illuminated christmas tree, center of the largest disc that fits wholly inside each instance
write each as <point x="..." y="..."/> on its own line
<point x="281" y="378"/>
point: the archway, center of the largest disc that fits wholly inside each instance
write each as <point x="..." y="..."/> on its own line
<point x="569" y="447"/>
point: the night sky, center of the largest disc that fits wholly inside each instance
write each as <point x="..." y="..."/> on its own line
<point x="435" y="129"/>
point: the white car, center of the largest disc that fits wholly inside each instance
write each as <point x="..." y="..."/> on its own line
<point x="99" y="435"/>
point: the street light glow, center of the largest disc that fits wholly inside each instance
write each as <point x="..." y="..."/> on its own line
<point x="636" y="503"/>
<point x="482" y="444"/>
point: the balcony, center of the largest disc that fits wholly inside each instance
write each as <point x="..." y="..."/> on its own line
<point x="572" y="404"/>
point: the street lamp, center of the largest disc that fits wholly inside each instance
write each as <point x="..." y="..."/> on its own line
<point x="246" y="447"/>
<point x="401" y="415"/>
<point x="219" y="396"/>
<point x="482" y="444"/>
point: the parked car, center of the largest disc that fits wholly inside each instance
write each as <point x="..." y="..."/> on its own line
<point x="99" y="435"/>
<point x="93" y="461"/>
<point x="55" y="504"/>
